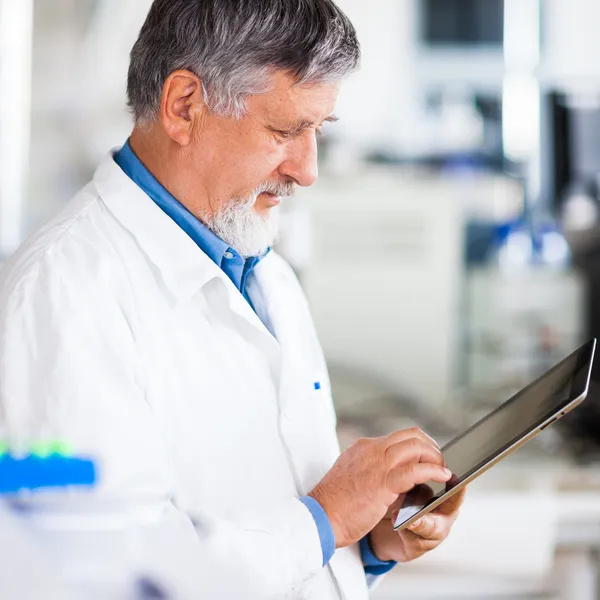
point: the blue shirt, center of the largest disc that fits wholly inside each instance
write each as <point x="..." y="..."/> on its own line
<point x="238" y="270"/>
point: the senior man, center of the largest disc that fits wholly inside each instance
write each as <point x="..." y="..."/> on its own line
<point x="150" y="324"/>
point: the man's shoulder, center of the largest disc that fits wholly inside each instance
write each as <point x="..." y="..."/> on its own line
<point x="277" y="270"/>
<point x="69" y="246"/>
<point x="277" y="265"/>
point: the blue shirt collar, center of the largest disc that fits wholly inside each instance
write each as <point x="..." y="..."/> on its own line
<point x="230" y="261"/>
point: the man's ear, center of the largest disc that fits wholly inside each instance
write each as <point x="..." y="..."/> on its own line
<point x="182" y="101"/>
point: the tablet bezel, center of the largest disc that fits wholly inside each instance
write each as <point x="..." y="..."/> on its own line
<point x="517" y="444"/>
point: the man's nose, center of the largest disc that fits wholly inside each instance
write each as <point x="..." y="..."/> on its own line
<point x="301" y="161"/>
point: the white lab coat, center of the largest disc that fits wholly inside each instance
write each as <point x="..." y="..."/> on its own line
<point x="118" y="335"/>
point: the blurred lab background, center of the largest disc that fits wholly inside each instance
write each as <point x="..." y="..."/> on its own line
<point x="450" y="250"/>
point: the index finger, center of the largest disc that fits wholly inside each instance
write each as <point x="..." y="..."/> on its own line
<point x="405" y="434"/>
<point x="414" y="450"/>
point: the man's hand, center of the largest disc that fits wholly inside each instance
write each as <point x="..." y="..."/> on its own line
<point x="368" y="478"/>
<point x="421" y="537"/>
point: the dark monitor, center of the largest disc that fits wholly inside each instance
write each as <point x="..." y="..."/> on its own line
<point x="462" y="22"/>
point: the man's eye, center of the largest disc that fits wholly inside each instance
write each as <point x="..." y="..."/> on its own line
<point x="283" y="134"/>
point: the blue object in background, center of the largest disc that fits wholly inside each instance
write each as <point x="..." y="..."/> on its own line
<point x="33" y="472"/>
<point x="518" y="245"/>
<point x="550" y="246"/>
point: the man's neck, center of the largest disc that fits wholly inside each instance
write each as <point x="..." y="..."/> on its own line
<point x="160" y="156"/>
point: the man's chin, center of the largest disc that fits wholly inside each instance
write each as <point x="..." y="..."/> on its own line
<point x="251" y="232"/>
<point x="255" y="245"/>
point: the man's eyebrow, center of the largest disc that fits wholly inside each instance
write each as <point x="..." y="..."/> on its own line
<point x="305" y="124"/>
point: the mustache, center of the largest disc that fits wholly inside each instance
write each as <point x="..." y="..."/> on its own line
<point x="283" y="190"/>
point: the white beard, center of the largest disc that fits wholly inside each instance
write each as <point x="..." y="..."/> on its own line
<point x="246" y="231"/>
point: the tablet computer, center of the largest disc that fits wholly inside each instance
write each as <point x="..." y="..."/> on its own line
<point x="504" y="430"/>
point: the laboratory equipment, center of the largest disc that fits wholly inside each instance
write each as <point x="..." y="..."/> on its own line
<point x="386" y="277"/>
<point x="82" y="545"/>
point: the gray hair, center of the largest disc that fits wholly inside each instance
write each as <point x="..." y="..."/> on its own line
<point x="233" y="46"/>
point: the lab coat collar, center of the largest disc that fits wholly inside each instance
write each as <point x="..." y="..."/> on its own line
<point x="183" y="266"/>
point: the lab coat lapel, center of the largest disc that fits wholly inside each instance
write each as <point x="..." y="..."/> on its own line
<point x="288" y="322"/>
<point x="274" y="289"/>
<point x="252" y="327"/>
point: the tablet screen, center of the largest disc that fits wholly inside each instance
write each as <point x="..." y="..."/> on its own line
<point x="516" y="418"/>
